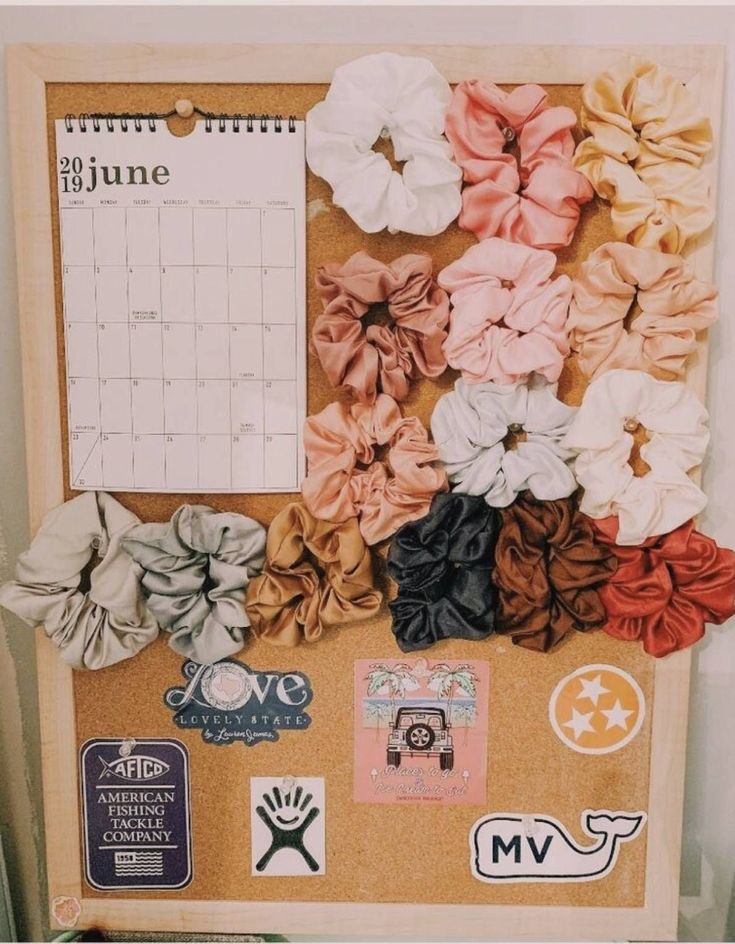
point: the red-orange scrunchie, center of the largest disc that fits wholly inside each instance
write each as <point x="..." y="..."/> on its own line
<point x="667" y="588"/>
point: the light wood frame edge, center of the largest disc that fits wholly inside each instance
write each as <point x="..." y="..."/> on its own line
<point x="30" y="67"/>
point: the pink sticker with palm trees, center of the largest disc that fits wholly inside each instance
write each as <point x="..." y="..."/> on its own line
<point x="421" y="731"/>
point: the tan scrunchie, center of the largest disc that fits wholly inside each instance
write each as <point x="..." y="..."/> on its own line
<point x="318" y="575"/>
<point x="648" y="139"/>
<point x="674" y="306"/>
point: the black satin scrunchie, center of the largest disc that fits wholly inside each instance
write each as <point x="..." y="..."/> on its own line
<point x="442" y="565"/>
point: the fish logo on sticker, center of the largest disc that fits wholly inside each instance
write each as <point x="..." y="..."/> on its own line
<point x="137" y="767"/>
<point x="513" y="847"/>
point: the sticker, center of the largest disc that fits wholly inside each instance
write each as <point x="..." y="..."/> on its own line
<point x="136" y="812"/>
<point x="66" y="910"/>
<point x="514" y="847"/>
<point x="597" y="709"/>
<point x="287" y="825"/>
<point x="229" y="701"/>
<point x="421" y="731"/>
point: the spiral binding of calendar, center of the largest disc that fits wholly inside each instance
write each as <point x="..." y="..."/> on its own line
<point x="95" y="122"/>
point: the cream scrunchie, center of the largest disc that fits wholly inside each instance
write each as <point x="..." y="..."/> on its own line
<point x="110" y="622"/>
<point x="470" y="424"/>
<point x="644" y="155"/>
<point x="664" y="497"/>
<point x="406" y="97"/>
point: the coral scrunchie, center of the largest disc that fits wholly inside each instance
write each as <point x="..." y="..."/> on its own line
<point x="442" y="565"/>
<point x="666" y="590"/>
<point x="470" y="424"/>
<point x="664" y="497"/>
<point x="317" y="575"/>
<point x="644" y="154"/>
<point x="674" y="306"/>
<point x="108" y="623"/>
<point x="196" y="568"/>
<point x="344" y="478"/>
<point x="383" y="357"/>
<point x="403" y="97"/>
<point x="548" y="568"/>
<point x="535" y="202"/>
<point x="509" y="317"/>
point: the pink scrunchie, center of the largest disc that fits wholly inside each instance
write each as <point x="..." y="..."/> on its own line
<point x="536" y="203"/>
<point x="509" y="318"/>
<point x="385" y="356"/>
<point x="345" y="480"/>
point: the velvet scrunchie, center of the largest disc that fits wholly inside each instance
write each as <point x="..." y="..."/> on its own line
<point x="644" y="154"/>
<point x="535" y="201"/>
<point x="548" y="569"/>
<point x="344" y="478"/>
<point x="108" y="623"/>
<point x="441" y="564"/>
<point x="317" y="575"/>
<point x="406" y="99"/>
<point x="381" y="357"/>
<point x="469" y="426"/>
<point x="665" y="591"/>
<point x="674" y="306"/>
<point x="665" y="497"/>
<point x="509" y="317"/>
<point x="196" y="568"/>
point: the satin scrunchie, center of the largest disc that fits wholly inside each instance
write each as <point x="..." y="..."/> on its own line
<point x="470" y="424"/>
<point x="674" y="307"/>
<point x="196" y="568"/>
<point x="345" y="480"/>
<point x="548" y="568"/>
<point x="665" y="591"/>
<point x="441" y="564"/>
<point x="535" y="201"/>
<point x="317" y="575"/>
<point x="383" y="357"/>
<point x="664" y="497"/>
<point x="644" y="154"/>
<point x="509" y="317"/>
<point x="406" y="99"/>
<point x="110" y="622"/>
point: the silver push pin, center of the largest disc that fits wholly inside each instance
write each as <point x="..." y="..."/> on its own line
<point x="515" y="428"/>
<point x="385" y="133"/>
<point x="509" y="134"/>
<point x="630" y="425"/>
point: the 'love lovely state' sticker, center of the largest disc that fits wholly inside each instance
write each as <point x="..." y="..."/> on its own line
<point x="514" y="847"/>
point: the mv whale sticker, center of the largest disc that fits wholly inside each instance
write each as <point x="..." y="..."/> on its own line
<point x="228" y="701"/>
<point x="514" y="847"/>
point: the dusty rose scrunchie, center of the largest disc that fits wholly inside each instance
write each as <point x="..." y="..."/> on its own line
<point x="535" y="201"/>
<point x="674" y="307"/>
<point x="381" y="357"/>
<point x="509" y="317"/>
<point x="548" y="571"/>
<point x="667" y="588"/>
<point x="345" y="480"/>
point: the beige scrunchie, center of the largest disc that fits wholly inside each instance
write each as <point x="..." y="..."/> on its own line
<point x="644" y="154"/>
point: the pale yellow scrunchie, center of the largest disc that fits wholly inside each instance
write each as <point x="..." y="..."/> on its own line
<point x="644" y="154"/>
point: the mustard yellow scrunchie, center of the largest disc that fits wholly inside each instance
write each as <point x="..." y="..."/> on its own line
<point x="644" y="154"/>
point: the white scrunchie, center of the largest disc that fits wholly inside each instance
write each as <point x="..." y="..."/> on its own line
<point x="470" y="424"/>
<point x="406" y="96"/>
<point x="663" y="498"/>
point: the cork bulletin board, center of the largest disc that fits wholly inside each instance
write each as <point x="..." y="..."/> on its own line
<point x="390" y="869"/>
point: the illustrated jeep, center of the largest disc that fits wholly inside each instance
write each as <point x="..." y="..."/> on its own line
<point x="421" y="732"/>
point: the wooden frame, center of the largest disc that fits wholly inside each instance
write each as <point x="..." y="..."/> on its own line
<point x="30" y="68"/>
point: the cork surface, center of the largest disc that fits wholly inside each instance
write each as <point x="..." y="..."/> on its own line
<point x="395" y="853"/>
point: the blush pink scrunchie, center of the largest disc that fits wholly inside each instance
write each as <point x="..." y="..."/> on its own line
<point x="674" y="307"/>
<point x="535" y="201"/>
<point x="383" y="357"/>
<point x="509" y="317"/>
<point x="345" y="480"/>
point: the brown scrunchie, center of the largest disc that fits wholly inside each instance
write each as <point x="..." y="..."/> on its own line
<point x="547" y="568"/>
<point x="317" y="574"/>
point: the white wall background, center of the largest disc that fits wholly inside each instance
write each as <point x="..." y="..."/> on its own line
<point x="708" y="867"/>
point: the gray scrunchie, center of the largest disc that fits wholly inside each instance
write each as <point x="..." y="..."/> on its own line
<point x="110" y="622"/>
<point x="196" y="569"/>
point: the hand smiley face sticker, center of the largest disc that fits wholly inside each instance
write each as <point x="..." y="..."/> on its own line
<point x="287" y="825"/>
